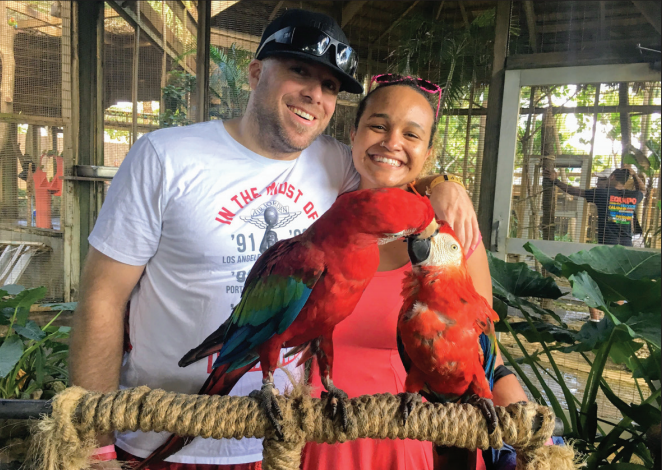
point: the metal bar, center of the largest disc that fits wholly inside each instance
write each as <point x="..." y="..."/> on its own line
<point x="202" y="61"/>
<point x="94" y="171"/>
<point x="25" y="409"/>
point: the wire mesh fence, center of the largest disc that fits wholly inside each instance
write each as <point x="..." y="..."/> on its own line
<point x="587" y="132"/>
<point x="36" y="106"/>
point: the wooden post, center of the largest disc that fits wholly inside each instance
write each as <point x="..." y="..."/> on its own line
<point x="525" y="187"/>
<point x="163" y="56"/>
<point x="202" y="60"/>
<point x="90" y="135"/>
<point x="493" y="123"/>
<point x="626" y="131"/>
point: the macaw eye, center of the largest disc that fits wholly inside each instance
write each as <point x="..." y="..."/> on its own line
<point x="454" y="247"/>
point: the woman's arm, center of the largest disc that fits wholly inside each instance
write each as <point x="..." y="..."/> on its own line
<point x="508" y="389"/>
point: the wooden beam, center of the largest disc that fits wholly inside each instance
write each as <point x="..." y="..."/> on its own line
<point x="465" y="18"/>
<point x="275" y="11"/>
<point x="493" y="125"/>
<point x="652" y="11"/>
<point x="24" y="9"/>
<point x="395" y="23"/>
<point x="579" y="25"/>
<point x="134" y="21"/>
<point x="633" y="108"/>
<point x="531" y="24"/>
<point x="603" y="22"/>
<point x="597" y="56"/>
<point x="350" y="10"/>
<point x="441" y="6"/>
<point x="218" y="7"/>
<point x="202" y="60"/>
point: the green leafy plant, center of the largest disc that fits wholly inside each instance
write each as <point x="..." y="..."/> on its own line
<point x="33" y="360"/>
<point x="601" y="277"/>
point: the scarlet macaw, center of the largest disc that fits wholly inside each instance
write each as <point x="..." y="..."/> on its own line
<point x="445" y="332"/>
<point x="299" y="290"/>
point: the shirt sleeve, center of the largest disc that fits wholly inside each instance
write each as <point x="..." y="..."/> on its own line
<point x="589" y="195"/>
<point x="351" y="176"/>
<point x="128" y="228"/>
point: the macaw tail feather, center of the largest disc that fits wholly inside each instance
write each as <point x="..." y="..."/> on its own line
<point x="218" y="383"/>
<point x="212" y="344"/>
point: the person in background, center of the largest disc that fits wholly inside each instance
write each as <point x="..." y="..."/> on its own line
<point x="616" y="207"/>
<point x="391" y="141"/>
<point x="175" y="233"/>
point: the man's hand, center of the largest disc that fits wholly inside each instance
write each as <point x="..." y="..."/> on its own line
<point x="452" y="204"/>
<point x="549" y="174"/>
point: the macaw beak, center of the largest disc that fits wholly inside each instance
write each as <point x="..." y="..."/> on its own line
<point x="418" y="249"/>
<point x="418" y="246"/>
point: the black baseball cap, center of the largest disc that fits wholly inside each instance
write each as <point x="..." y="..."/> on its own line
<point x="313" y="37"/>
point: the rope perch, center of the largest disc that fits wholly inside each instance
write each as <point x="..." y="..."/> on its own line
<point x="65" y="440"/>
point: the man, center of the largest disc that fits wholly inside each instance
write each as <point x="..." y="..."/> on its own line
<point x="177" y="232"/>
<point x="616" y="208"/>
<point x="616" y="205"/>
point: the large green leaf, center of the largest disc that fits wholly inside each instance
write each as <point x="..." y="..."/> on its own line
<point x="30" y="331"/>
<point x="517" y="279"/>
<point x="550" y="264"/>
<point x="647" y="326"/>
<point x="11" y="289"/>
<point x="10" y="353"/>
<point x="23" y="301"/>
<point x="615" y="259"/>
<point x="538" y="331"/>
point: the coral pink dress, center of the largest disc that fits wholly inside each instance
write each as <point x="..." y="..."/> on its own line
<point x="366" y="361"/>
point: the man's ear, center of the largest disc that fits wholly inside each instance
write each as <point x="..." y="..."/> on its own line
<point x="352" y="134"/>
<point x="254" y="72"/>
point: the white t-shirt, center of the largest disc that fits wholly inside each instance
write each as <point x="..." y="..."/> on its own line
<point x="196" y="207"/>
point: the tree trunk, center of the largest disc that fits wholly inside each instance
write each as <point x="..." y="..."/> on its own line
<point x="626" y="128"/>
<point x="467" y="140"/>
<point x="548" y="161"/>
<point x="479" y="161"/>
<point x="525" y="187"/>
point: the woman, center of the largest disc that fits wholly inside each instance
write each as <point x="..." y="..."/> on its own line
<point x="391" y="141"/>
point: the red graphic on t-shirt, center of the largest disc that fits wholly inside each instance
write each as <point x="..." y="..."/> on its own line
<point x="225" y="215"/>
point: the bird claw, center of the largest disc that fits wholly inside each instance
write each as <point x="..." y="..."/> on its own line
<point x="486" y="407"/>
<point x="266" y="396"/>
<point x="408" y="402"/>
<point x="336" y="400"/>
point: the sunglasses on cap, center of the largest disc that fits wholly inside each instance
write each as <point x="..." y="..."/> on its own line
<point x="314" y="42"/>
<point x="422" y="84"/>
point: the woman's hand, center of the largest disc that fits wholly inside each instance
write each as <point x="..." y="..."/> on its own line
<point x="452" y="204"/>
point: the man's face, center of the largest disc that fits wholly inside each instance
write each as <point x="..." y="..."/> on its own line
<point x="294" y="101"/>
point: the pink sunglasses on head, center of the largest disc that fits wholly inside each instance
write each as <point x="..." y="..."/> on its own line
<point x="422" y="84"/>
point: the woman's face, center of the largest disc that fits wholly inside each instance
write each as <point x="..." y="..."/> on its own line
<point x="390" y="145"/>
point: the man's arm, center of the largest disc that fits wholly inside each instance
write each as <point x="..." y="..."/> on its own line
<point x="95" y="352"/>
<point x="452" y="204"/>
<point x="639" y="184"/>
<point x="566" y="188"/>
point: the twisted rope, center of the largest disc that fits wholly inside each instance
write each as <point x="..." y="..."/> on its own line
<point x="65" y="437"/>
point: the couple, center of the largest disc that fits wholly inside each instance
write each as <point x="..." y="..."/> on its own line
<point x="178" y="231"/>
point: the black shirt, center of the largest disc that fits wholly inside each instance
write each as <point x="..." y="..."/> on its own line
<point x="615" y="212"/>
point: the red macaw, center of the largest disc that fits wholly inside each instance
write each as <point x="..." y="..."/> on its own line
<point x="299" y="290"/>
<point x="445" y="330"/>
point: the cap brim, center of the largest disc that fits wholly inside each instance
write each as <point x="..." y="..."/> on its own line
<point x="347" y="82"/>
